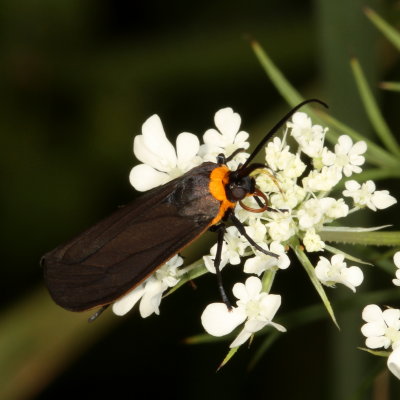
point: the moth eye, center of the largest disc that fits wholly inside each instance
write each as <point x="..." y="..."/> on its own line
<point x="238" y="193"/>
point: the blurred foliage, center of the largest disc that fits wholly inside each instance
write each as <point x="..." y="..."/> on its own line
<point x="77" y="81"/>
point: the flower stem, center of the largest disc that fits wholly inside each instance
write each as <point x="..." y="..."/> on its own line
<point x="268" y="280"/>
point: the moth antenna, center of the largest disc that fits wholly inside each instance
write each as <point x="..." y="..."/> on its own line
<point x="277" y="126"/>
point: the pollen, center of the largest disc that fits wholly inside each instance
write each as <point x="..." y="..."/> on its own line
<point x="219" y="177"/>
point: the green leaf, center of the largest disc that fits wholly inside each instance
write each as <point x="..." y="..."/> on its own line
<point x="380" y="353"/>
<point x="285" y="88"/>
<point x="372" y="109"/>
<point x="363" y="238"/>
<point x="394" y="86"/>
<point x="205" y="338"/>
<point x="387" y="30"/>
<point x="347" y="256"/>
<point x="301" y="255"/>
<point x="227" y="358"/>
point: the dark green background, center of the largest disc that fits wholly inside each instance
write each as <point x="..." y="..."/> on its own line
<point x="77" y="80"/>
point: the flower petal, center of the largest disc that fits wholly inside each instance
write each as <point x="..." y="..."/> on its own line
<point x="151" y="298"/>
<point x="243" y="336"/>
<point x="375" y="342"/>
<point x="217" y="320"/>
<point x="391" y="317"/>
<point x="240" y="292"/>
<point x="396" y="259"/>
<point x="382" y="199"/>
<point x="155" y="139"/>
<point x="372" y="313"/>
<point x="373" y="329"/>
<point x="213" y="138"/>
<point x="253" y="286"/>
<point x="344" y="144"/>
<point x="187" y="146"/>
<point x="254" y="325"/>
<point x="143" y="177"/>
<point x="125" y="304"/>
<point x="353" y="275"/>
<point x="153" y="147"/>
<point x="228" y="123"/>
<point x="393" y="363"/>
<point x="270" y="305"/>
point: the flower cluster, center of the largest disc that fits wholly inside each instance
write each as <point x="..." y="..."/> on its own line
<point x="382" y="328"/>
<point x="298" y="184"/>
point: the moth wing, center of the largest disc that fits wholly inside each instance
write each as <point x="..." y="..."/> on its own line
<point x="115" y="255"/>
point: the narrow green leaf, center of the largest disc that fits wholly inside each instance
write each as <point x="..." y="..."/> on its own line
<point x="301" y="255"/>
<point x="394" y="86"/>
<point x="372" y="109"/>
<point x="204" y="338"/>
<point x="354" y="228"/>
<point x="227" y="358"/>
<point x="284" y="87"/>
<point x="387" y="30"/>
<point x="347" y="256"/>
<point x="380" y="353"/>
<point x="363" y="238"/>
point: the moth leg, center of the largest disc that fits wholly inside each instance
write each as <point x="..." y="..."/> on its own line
<point x="222" y="159"/>
<point x="242" y="231"/>
<point x="97" y="313"/>
<point x="220" y="228"/>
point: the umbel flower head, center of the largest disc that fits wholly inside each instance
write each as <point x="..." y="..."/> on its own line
<point x="299" y="184"/>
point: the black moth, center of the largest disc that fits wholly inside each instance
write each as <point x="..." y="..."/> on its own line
<point x="111" y="258"/>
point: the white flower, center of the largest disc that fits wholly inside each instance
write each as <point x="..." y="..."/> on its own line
<point x="333" y="208"/>
<point x="336" y="271"/>
<point x="381" y="328"/>
<point x="161" y="163"/>
<point x="290" y="197"/>
<point x="396" y="260"/>
<point x="327" y="158"/>
<point x="393" y="362"/>
<point x="226" y="139"/>
<point x="150" y="291"/>
<point x="310" y="214"/>
<point x="255" y="307"/>
<point x="322" y="181"/>
<point x="365" y="195"/>
<point x="279" y="158"/>
<point x="281" y="226"/>
<point x="348" y="156"/>
<point x="233" y="248"/>
<point x="312" y="241"/>
<point x="261" y="262"/>
<point x="309" y="137"/>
